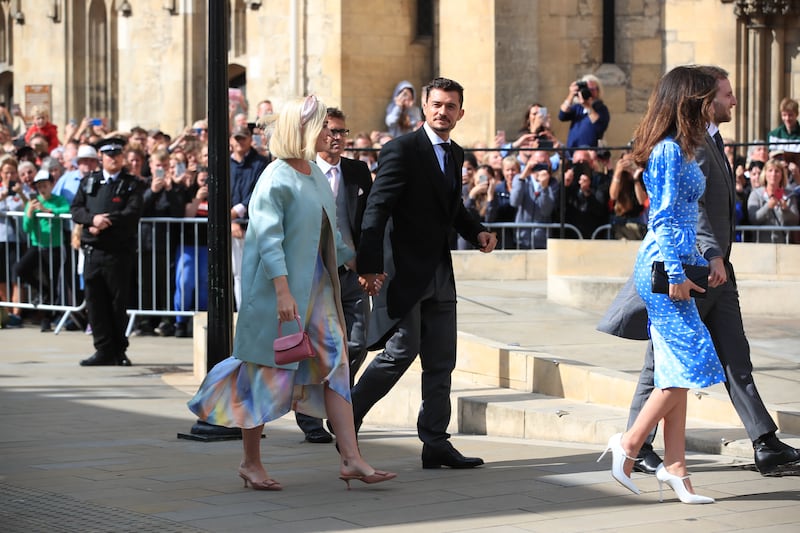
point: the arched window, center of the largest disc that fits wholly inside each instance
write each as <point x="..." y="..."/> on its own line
<point x="97" y="81"/>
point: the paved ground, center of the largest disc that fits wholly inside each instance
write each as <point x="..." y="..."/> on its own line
<point x="95" y="449"/>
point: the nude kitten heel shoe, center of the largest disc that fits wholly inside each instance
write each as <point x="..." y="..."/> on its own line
<point x="618" y="457"/>
<point x="267" y="484"/>
<point x="378" y="476"/>
<point x="677" y="484"/>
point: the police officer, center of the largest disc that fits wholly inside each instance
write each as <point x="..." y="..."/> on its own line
<point x="109" y="204"/>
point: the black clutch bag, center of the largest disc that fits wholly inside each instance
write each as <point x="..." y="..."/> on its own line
<point x="660" y="282"/>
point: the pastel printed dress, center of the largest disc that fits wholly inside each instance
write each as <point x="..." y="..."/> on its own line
<point x="241" y="394"/>
<point x="684" y="352"/>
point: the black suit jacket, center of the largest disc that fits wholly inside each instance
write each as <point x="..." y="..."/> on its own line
<point x="412" y="207"/>
<point x="357" y="181"/>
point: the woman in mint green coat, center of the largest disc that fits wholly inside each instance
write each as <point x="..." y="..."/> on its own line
<point x="289" y="270"/>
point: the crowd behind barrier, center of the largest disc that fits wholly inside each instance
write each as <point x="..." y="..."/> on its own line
<point x="172" y="287"/>
<point x="181" y="279"/>
<point x="528" y="187"/>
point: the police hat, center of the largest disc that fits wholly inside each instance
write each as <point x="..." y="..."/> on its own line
<point x="112" y="146"/>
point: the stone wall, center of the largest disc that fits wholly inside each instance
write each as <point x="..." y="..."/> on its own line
<point x="507" y="54"/>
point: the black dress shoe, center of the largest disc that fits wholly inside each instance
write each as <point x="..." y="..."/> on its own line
<point x="319" y="436"/>
<point x="446" y="455"/>
<point x="647" y="461"/>
<point x="124" y="361"/>
<point x="98" y="359"/>
<point x="776" y="458"/>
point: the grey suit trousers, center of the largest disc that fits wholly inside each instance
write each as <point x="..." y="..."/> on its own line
<point x="722" y="316"/>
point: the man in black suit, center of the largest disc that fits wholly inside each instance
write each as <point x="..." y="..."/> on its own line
<point x="350" y="182"/>
<point x="720" y="308"/>
<point x="415" y="203"/>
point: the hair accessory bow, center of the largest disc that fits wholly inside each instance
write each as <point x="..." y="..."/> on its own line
<point x="309" y="107"/>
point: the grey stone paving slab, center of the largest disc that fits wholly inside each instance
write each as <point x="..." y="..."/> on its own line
<point x="30" y="510"/>
<point x="103" y="440"/>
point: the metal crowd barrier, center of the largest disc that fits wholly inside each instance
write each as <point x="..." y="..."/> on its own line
<point x="745" y="231"/>
<point x="528" y="225"/>
<point x="750" y="233"/>
<point x="60" y="291"/>
<point x="160" y="242"/>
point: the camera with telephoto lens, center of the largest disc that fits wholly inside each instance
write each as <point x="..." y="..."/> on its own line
<point x="583" y="88"/>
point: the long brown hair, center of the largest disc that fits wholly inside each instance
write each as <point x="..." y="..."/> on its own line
<point x="680" y="106"/>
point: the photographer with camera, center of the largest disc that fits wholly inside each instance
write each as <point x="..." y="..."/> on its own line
<point x="587" y="193"/>
<point x="586" y="112"/>
<point x="534" y="193"/>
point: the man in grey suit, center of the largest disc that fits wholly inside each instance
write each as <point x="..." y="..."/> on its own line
<point x="350" y="182"/>
<point x="720" y="308"/>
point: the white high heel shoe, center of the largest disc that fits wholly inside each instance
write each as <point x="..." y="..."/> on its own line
<point x="678" y="485"/>
<point x="618" y="457"/>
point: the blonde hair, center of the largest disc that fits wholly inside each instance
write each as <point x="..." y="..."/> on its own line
<point x="296" y="129"/>
<point x="511" y="160"/>
<point x="40" y="111"/>
<point x="776" y="163"/>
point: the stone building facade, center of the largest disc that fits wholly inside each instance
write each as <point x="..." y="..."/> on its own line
<point x="143" y="62"/>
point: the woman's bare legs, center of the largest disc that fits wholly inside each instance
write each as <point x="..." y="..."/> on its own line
<point x="251" y="464"/>
<point x="340" y="413"/>
<point x="669" y="404"/>
<point x="675" y="442"/>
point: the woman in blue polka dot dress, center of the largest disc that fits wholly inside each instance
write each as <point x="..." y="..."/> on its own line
<point x="665" y="141"/>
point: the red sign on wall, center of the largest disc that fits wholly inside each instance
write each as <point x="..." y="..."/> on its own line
<point x="37" y="95"/>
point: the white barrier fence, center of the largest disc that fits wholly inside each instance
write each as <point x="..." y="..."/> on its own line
<point x="171" y="272"/>
<point x="170" y="277"/>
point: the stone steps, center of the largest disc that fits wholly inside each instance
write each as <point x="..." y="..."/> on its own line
<point x="503" y="392"/>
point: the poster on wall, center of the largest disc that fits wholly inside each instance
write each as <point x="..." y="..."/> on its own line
<point x="37" y="95"/>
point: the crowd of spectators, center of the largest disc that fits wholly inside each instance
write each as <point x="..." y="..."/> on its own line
<point x="524" y="182"/>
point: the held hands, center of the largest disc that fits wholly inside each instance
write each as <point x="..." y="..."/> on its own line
<point x="371" y="283"/>
<point x="487" y="241"/>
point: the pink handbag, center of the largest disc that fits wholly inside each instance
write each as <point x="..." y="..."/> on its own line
<point x="292" y="348"/>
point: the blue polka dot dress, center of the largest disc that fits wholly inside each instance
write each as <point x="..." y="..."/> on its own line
<point x="684" y="352"/>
